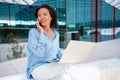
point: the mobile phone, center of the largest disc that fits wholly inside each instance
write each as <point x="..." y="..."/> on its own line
<point x="40" y="24"/>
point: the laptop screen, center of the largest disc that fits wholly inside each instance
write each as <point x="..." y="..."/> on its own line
<point x="81" y="51"/>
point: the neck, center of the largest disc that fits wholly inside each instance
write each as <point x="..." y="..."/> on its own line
<point x="47" y="29"/>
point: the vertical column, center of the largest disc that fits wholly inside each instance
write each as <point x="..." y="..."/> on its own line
<point x="99" y="10"/>
<point x="96" y="20"/>
<point x="113" y="21"/>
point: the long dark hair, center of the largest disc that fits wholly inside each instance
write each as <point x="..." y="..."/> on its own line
<point x="52" y="14"/>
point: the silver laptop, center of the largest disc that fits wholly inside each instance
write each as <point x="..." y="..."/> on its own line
<point x="81" y="51"/>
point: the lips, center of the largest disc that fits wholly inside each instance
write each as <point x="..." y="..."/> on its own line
<point x="43" y="21"/>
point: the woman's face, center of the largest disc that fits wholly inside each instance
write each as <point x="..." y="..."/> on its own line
<point x="44" y="17"/>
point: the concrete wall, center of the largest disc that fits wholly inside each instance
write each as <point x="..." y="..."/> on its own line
<point x="5" y="49"/>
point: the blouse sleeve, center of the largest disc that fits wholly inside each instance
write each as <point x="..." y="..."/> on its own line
<point x="59" y="55"/>
<point x="36" y="45"/>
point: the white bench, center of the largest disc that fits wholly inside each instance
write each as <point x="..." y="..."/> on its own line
<point x="108" y="69"/>
<point x="13" y="69"/>
<point x="15" y="77"/>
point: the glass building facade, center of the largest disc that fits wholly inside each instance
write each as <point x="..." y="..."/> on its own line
<point x="100" y="21"/>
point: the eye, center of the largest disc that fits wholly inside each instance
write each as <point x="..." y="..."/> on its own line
<point x="39" y="15"/>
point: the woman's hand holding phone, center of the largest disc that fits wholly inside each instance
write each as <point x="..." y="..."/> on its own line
<point x="39" y="27"/>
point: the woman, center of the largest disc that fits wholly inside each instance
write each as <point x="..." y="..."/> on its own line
<point x="43" y="46"/>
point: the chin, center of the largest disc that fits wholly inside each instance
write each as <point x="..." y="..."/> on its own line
<point x="43" y="25"/>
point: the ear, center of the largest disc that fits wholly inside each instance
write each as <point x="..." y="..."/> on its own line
<point x="51" y="18"/>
